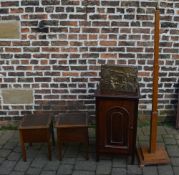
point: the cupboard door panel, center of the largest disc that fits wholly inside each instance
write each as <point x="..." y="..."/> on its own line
<point x="117" y="120"/>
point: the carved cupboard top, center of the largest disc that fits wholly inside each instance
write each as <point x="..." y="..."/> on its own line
<point x="117" y="79"/>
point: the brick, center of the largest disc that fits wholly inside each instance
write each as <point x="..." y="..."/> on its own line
<point x="50" y="49"/>
<point x="169" y="24"/>
<point x="9" y="3"/>
<point x="16" y="10"/>
<point x="57" y="16"/>
<point x="130" y="17"/>
<point x="6" y="56"/>
<point x="29" y="3"/>
<point x="5" y="43"/>
<point x="4" y="11"/>
<point x="74" y="30"/>
<point x="29" y="9"/>
<point x="78" y="67"/>
<point x="69" y="49"/>
<point x="49" y="9"/>
<point x="130" y="3"/>
<point x="134" y="49"/>
<point x="79" y="16"/>
<point x="92" y="37"/>
<point x="59" y="29"/>
<point x="29" y="23"/>
<point x="177" y="5"/>
<point x="144" y="17"/>
<point x="110" y="10"/>
<point x="21" y="43"/>
<point x="166" y="18"/>
<point x="126" y="55"/>
<point x="110" y="3"/>
<point x="108" y="55"/>
<point x="147" y="24"/>
<point x="50" y="2"/>
<point x="108" y="43"/>
<point x="22" y="55"/>
<point x="10" y="17"/>
<point x="99" y="49"/>
<point x="115" y="23"/>
<point x="43" y="79"/>
<point x="115" y="17"/>
<point x="39" y="9"/>
<point x="59" y="43"/>
<point x="116" y="49"/>
<point x="149" y="4"/>
<point x="88" y="74"/>
<point x="24" y="68"/>
<point x="31" y="49"/>
<point x="7" y="68"/>
<point x="68" y="23"/>
<point x="70" y="2"/>
<point x="13" y="50"/>
<point x="91" y="43"/>
<point x="125" y="30"/>
<point x="16" y="74"/>
<point x="38" y="16"/>
<point x="110" y="30"/>
<point x="90" y="3"/>
<point x="59" y="55"/>
<point x="98" y="17"/>
<point x="100" y="23"/>
<point x="25" y="30"/>
<point x="125" y="43"/>
<point x="75" y="43"/>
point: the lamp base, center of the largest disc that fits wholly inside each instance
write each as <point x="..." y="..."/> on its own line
<point x="160" y="156"/>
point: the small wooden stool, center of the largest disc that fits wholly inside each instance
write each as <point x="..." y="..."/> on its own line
<point x="36" y="128"/>
<point x="72" y="127"/>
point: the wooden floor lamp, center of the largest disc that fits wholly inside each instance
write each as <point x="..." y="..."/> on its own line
<point x="154" y="154"/>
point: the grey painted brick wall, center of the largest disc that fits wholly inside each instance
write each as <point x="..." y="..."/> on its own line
<point x="62" y="66"/>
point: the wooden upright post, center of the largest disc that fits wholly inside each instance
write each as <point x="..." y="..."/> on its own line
<point x="153" y="129"/>
<point x="154" y="154"/>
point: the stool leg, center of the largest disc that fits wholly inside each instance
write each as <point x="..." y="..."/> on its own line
<point x="49" y="145"/>
<point x="59" y="144"/>
<point x="87" y="151"/>
<point x="52" y="131"/>
<point x="87" y="145"/>
<point x="49" y="151"/>
<point x="24" y="156"/>
<point x="97" y="157"/>
<point x="60" y="151"/>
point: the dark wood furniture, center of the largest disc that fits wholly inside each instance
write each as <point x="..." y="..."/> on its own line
<point x="72" y="127"/>
<point x="36" y="128"/>
<point x="116" y="124"/>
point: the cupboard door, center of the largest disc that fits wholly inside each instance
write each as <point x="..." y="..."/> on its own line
<point x="117" y="132"/>
<point x="116" y="125"/>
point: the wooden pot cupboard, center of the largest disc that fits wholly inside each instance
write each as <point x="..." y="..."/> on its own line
<point x="116" y="124"/>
